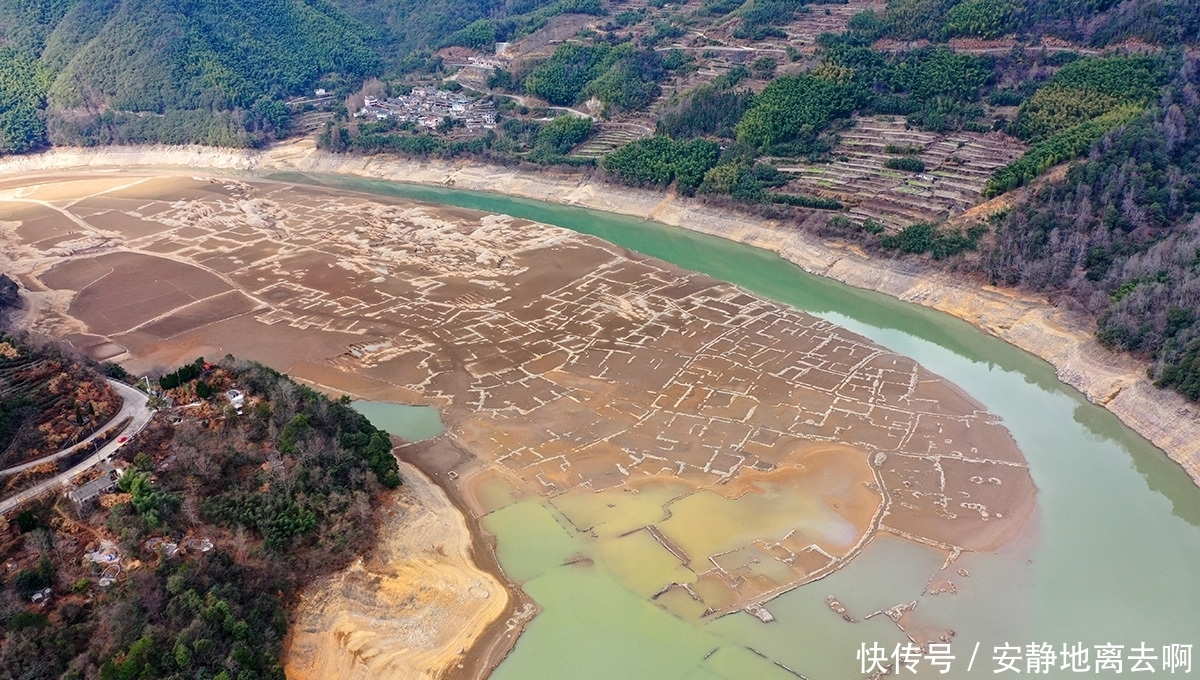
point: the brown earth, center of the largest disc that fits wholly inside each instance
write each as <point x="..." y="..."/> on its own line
<point x="616" y="351"/>
<point x="1115" y="381"/>
<point x="563" y="365"/>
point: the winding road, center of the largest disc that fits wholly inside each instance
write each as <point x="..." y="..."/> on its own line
<point x="135" y="405"/>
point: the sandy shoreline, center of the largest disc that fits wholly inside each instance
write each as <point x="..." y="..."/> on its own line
<point x="326" y="650"/>
<point x="412" y="606"/>
<point x="1116" y="382"/>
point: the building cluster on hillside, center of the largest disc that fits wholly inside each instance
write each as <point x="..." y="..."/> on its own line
<point x="427" y="106"/>
<point x="488" y="62"/>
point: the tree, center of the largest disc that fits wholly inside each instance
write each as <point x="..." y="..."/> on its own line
<point x="560" y="135"/>
<point x="479" y="35"/>
<point x="796" y="109"/>
<point x="296" y="428"/>
<point x="660" y="161"/>
<point x="23" y="86"/>
<point x="203" y="390"/>
<point x="763" y="68"/>
<point x="906" y="163"/>
<point x="982" y="18"/>
<point x="561" y="78"/>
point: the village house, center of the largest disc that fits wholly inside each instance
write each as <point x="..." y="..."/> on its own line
<point x="84" y="496"/>
<point x="236" y="399"/>
<point x="427" y="106"/>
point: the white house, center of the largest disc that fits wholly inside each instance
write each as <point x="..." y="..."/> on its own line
<point x="236" y="398"/>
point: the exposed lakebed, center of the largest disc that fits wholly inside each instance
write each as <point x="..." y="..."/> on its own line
<point x="578" y="538"/>
<point x="1111" y="556"/>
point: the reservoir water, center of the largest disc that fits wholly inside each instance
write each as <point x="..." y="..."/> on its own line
<point x="411" y="423"/>
<point x="1111" y="557"/>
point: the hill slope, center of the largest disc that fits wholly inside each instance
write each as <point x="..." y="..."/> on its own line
<point x="206" y="540"/>
<point x="210" y="71"/>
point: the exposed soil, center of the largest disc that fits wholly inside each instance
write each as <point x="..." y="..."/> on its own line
<point x="563" y="365"/>
<point x="410" y="609"/>
<point x="1116" y="382"/>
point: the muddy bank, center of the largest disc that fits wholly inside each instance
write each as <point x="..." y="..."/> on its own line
<point x="422" y="605"/>
<point x="1114" y="381"/>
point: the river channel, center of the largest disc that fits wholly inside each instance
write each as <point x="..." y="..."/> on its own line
<point x="1110" y="558"/>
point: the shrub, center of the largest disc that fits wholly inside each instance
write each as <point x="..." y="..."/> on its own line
<point x="923" y="237"/>
<point x="906" y="163"/>
<point x="816" y="202"/>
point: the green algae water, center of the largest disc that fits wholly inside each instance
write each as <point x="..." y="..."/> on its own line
<point x="411" y="423"/>
<point x="1111" y="558"/>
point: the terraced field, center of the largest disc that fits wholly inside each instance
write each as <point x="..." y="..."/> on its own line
<point x="609" y="139"/>
<point x="826" y="19"/>
<point x="957" y="166"/>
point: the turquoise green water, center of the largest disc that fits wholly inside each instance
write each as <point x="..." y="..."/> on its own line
<point x="411" y="423"/>
<point x="1113" y="558"/>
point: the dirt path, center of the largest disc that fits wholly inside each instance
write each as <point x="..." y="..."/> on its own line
<point x="524" y="101"/>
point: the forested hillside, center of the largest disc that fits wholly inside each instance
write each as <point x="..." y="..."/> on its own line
<point x="401" y="27"/>
<point x="188" y="568"/>
<point x="1119" y="235"/>
<point x="217" y="71"/>
<point x="1094" y="23"/>
<point x="209" y="71"/>
<point x="1118" y="238"/>
<point x="23" y="85"/>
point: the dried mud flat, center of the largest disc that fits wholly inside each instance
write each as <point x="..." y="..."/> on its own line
<point x="565" y="367"/>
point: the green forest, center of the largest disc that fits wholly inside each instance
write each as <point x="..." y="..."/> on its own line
<point x="217" y="71"/>
<point x="793" y="110"/>
<point x="23" y="85"/>
<point x="93" y="72"/>
<point x="659" y="161"/>
<point x="621" y="77"/>
<point x="1095" y="23"/>
<point x="285" y="493"/>
<point x="1071" y="112"/>
<point x="1119" y="236"/>
<point x="208" y="71"/>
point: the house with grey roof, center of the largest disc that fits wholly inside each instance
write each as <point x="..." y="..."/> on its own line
<point x="84" y="496"/>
